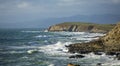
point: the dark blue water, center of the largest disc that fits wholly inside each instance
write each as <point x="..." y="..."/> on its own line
<point x="34" y="47"/>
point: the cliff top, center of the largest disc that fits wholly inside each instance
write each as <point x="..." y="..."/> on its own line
<point x="82" y="23"/>
<point x="81" y="26"/>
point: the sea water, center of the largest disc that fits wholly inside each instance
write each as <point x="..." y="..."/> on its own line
<point x="36" y="47"/>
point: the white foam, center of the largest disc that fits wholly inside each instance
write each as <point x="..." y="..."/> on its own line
<point x="51" y="65"/>
<point x="88" y="39"/>
<point x="32" y="51"/>
<point x="69" y="33"/>
<point x="112" y="63"/>
<point x="31" y="31"/>
<point x="22" y="47"/>
<point x="39" y="36"/>
<point x="92" y="55"/>
<point x="58" y="48"/>
<point x="87" y="36"/>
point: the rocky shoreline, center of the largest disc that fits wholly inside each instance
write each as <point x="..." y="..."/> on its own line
<point x="109" y="44"/>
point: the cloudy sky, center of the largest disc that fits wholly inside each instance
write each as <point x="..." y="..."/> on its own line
<point x="16" y="12"/>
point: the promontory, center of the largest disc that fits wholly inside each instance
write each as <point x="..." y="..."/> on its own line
<point x="81" y="27"/>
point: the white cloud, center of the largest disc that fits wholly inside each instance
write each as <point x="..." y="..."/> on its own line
<point x="69" y="2"/>
<point x="116" y="1"/>
<point x="23" y="5"/>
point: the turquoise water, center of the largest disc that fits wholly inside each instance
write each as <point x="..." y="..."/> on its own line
<point x="34" y="47"/>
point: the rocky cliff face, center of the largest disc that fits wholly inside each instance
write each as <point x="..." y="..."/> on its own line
<point x="108" y="43"/>
<point x="81" y="27"/>
<point x="112" y="39"/>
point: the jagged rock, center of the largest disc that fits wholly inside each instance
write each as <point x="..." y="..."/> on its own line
<point x="77" y="56"/>
<point x="112" y="39"/>
<point x="110" y="43"/>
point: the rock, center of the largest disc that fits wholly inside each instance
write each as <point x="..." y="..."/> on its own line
<point x="77" y="56"/>
<point x="99" y="64"/>
<point x="81" y="27"/>
<point x="70" y="64"/>
<point x="110" y="44"/>
<point x="84" y="52"/>
<point x="111" y="53"/>
<point x="118" y="56"/>
<point x="32" y="51"/>
<point x="112" y="39"/>
<point x="85" y="48"/>
<point x="98" y="53"/>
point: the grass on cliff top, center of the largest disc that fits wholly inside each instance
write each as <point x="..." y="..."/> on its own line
<point x="84" y="23"/>
<point x="99" y="26"/>
<point x="76" y="23"/>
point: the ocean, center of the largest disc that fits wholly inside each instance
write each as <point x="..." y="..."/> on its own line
<point x="36" y="47"/>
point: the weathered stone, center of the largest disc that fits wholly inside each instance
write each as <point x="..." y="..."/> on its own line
<point x="110" y="44"/>
<point x="118" y="57"/>
<point x="99" y="64"/>
<point x="111" y="53"/>
<point x="98" y="53"/>
<point x="83" y="48"/>
<point x="70" y="64"/>
<point x="77" y="56"/>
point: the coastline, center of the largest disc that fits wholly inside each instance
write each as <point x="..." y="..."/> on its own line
<point x="108" y="44"/>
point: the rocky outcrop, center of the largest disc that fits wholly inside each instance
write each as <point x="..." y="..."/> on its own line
<point x="112" y="39"/>
<point x="85" y="48"/>
<point x="81" y="27"/>
<point x="77" y="56"/>
<point x="110" y="43"/>
<point x="70" y="64"/>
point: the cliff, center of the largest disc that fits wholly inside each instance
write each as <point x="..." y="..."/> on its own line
<point x="112" y="39"/>
<point x="108" y="43"/>
<point x="81" y="27"/>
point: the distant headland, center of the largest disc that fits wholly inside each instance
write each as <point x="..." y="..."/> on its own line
<point x="81" y="27"/>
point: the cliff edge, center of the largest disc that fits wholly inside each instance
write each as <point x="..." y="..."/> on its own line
<point x="81" y="27"/>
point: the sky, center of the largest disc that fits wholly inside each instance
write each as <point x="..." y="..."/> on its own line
<point x="23" y="13"/>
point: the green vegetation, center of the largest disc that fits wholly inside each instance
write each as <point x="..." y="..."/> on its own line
<point x="81" y="26"/>
<point x="76" y="23"/>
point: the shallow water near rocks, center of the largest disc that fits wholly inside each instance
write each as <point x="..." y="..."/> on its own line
<point x="34" y="47"/>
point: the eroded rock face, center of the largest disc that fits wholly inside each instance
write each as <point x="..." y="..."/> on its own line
<point x="112" y="39"/>
<point x="85" y="48"/>
<point x="82" y="27"/>
<point x="109" y="43"/>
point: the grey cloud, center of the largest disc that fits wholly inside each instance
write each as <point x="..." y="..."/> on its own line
<point x="30" y="10"/>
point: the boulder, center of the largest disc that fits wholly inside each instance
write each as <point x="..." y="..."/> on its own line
<point x="77" y="56"/>
<point x="98" y="53"/>
<point x="110" y="53"/>
<point x="98" y="64"/>
<point x="70" y="64"/>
